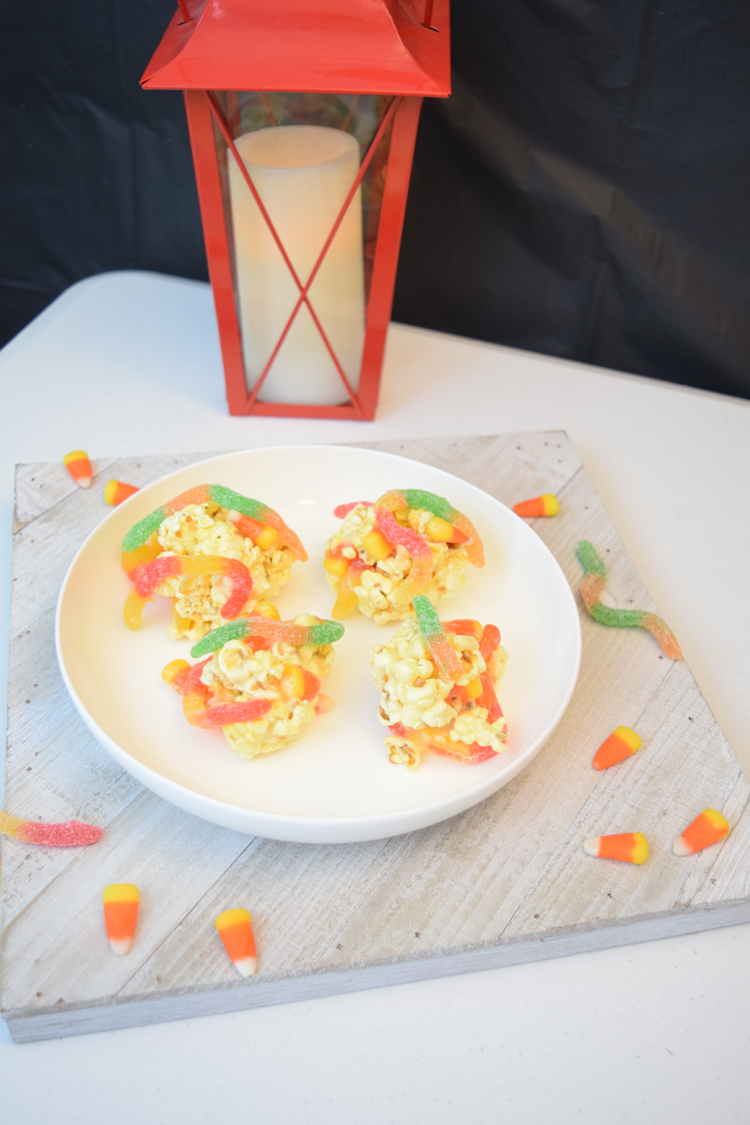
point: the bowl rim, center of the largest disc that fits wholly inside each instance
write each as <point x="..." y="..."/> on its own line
<point x="184" y="796"/>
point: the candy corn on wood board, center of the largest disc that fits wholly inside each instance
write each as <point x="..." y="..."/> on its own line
<point x="505" y="882"/>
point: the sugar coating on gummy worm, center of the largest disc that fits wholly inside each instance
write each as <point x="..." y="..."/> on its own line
<point x="592" y="588"/>
<point x="152" y="574"/>
<point x="437" y="689"/>
<point x="215" y="553"/>
<point x="70" y="834"/>
<point x="258" y="679"/>
<point x="408" y="542"/>
<point x="320" y="633"/>
<point x="226" y="498"/>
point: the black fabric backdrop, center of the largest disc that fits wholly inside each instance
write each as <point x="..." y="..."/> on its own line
<point x="583" y="193"/>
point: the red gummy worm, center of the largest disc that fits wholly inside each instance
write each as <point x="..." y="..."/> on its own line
<point x="70" y="834"/>
<point x="343" y="510"/>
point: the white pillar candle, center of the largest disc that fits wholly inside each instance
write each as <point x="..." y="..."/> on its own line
<point x="303" y="174"/>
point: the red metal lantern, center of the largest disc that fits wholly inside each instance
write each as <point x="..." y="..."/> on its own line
<point x="303" y="194"/>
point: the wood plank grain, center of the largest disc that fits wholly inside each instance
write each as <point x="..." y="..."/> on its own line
<point x="504" y="882"/>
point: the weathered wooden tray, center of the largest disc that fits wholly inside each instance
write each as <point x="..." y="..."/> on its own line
<point x="503" y="883"/>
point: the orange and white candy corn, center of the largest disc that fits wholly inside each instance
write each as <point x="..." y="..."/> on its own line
<point x="120" y="915"/>
<point x="236" y="931"/>
<point x="546" y="505"/>
<point x="115" y="491"/>
<point x="708" y="828"/>
<point x="79" y="467"/>
<point x="628" y="847"/>
<point x="620" y="745"/>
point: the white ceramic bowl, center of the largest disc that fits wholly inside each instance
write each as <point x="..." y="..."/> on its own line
<point x="335" y="784"/>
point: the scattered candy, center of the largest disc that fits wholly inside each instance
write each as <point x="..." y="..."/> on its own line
<point x="120" y="915"/>
<point x="591" y="592"/>
<point x="628" y="847"/>
<point x="79" y="467"/>
<point x="236" y="932"/>
<point x="227" y="498"/>
<point x="546" y="505"/>
<point x="148" y="576"/>
<point x="620" y="745"/>
<point x="326" y="633"/>
<point x="442" y="651"/>
<point x="71" y="834"/>
<point x="708" y="828"/>
<point x="115" y="491"/>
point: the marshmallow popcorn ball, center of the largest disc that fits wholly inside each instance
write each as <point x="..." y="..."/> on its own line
<point x="259" y="679"/>
<point x="216" y="553"/>
<point x="408" y="543"/>
<point x="437" y="689"/>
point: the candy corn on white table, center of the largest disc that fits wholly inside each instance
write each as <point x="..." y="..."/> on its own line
<point x="126" y="365"/>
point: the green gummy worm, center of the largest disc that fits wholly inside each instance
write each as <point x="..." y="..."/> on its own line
<point x="143" y="530"/>
<point x="428" y="502"/>
<point x="231" y="500"/>
<point x="590" y="561"/>
<point x="427" y="618"/>
<point x="619" y="618"/>
<point x="326" y="633"/>
<point x="232" y="631"/>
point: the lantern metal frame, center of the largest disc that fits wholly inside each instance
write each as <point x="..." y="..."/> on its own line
<point x="403" y="76"/>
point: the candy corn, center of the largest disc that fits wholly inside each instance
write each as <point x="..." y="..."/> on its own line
<point x="120" y="915"/>
<point x="115" y="491"/>
<point x="79" y="467"/>
<point x="629" y="847"/>
<point x="708" y="828"/>
<point x="236" y="931"/>
<point x="546" y="505"/>
<point x="620" y="745"/>
<point x="71" y="834"/>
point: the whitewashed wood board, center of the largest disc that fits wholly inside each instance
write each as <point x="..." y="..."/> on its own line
<point x="503" y="883"/>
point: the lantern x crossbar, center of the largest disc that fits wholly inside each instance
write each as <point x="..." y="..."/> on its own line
<point x="303" y="289"/>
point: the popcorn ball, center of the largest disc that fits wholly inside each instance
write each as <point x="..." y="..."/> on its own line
<point x="260" y="680"/>
<point x="216" y="553"/>
<point x="408" y="543"/>
<point x="437" y="689"/>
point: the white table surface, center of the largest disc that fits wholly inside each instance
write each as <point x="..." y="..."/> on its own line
<point x="128" y="363"/>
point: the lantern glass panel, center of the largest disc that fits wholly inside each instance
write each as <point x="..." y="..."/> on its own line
<point x="302" y="154"/>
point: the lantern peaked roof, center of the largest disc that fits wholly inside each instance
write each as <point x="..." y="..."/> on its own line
<point x="320" y="46"/>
